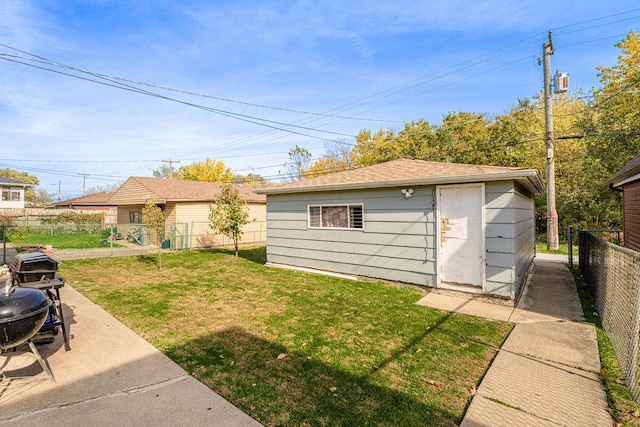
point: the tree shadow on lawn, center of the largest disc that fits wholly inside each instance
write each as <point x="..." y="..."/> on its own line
<point x="255" y="254"/>
<point x="283" y="388"/>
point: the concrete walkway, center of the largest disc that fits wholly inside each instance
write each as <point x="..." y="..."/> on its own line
<point x="110" y="376"/>
<point x="546" y="373"/>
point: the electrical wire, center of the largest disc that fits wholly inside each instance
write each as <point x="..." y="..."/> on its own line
<point x="243" y="117"/>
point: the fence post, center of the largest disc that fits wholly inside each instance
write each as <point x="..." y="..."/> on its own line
<point x="4" y="244"/>
<point x="580" y="251"/>
<point x="570" y="244"/>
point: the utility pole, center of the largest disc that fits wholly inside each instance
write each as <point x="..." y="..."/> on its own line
<point x="84" y="182"/>
<point x="552" y="214"/>
<point x="59" y="190"/>
<point x="171" y="162"/>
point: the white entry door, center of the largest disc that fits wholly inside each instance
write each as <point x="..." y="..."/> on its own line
<point x="461" y="229"/>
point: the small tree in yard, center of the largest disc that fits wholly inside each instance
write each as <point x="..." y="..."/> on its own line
<point x="154" y="221"/>
<point x="228" y="213"/>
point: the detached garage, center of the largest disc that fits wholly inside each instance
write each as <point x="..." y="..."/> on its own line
<point x="452" y="226"/>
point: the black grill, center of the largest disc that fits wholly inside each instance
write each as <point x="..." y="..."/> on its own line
<point x="34" y="267"/>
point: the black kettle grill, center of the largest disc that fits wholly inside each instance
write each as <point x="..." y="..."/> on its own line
<point x="30" y="303"/>
<point x="23" y="311"/>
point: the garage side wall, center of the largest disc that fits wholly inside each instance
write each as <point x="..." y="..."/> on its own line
<point x="396" y="243"/>
<point x="196" y="215"/>
<point x="510" y="237"/>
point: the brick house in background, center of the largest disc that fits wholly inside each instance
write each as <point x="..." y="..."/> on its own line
<point x="627" y="181"/>
<point x="93" y="203"/>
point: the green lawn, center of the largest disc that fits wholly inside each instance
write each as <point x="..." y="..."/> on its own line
<point x="624" y="409"/>
<point x="22" y="237"/>
<point x="294" y="348"/>
<point x="563" y="247"/>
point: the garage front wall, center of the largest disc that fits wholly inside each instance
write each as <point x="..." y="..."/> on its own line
<point x="398" y="239"/>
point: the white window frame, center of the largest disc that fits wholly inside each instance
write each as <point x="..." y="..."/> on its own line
<point x="347" y="205"/>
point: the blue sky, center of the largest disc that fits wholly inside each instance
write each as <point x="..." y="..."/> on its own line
<point x="353" y="64"/>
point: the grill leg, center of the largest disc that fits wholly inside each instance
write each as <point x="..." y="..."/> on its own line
<point x="41" y="361"/>
<point x="62" y="324"/>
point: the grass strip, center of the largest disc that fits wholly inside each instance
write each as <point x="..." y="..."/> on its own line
<point x="623" y="407"/>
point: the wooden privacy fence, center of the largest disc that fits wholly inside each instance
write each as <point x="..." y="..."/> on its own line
<point x="35" y="216"/>
<point x="613" y="275"/>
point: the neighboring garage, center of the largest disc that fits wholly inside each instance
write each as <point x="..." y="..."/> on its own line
<point x="461" y="227"/>
<point x="186" y="207"/>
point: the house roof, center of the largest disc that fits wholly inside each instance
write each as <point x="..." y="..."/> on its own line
<point x="629" y="173"/>
<point x="13" y="182"/>
<point x="404" y="172"/>
<point x="96" y="199"/>
<point x="178" y="190"/>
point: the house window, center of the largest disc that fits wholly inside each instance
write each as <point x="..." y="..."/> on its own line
<point x="9" y="195"/>
<point x="336" y="216"/>
<point x="135" y="217"/>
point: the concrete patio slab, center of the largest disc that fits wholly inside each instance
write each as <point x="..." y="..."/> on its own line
<point x="465" y="304"/>
<point x="110" y="376"/>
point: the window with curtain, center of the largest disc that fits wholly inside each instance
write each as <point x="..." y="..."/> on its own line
<point x="335" y="216"/>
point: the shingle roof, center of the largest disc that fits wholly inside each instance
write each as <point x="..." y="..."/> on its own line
<point x="9" y="181"/>
<point x="175" y="190"/>
<point x="628" y="171"/>
<point x="410" y="172"/>
<point x="96" y="199"/>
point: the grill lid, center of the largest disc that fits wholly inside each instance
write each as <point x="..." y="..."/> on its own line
<point x="34" y="261"/>
<point x="22" y="303"/>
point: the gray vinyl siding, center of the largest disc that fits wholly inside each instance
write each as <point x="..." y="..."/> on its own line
<point x="510" y="237"/>
<point x="398" y="240"/>
<point x="396" y="243"/>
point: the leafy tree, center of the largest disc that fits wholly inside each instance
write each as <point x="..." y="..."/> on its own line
<point x="337" y="158"/>
<point x="372" y="148"/>
<point x="19" y="176"/>
<point x="165" y="171"/>
<point x="207" y="170"/>
<point x="29" y="193"/>
<point x="252" y="180"/>
<point x="41" y="197"/>
<point x="100" y="188"/>
<point x="299" y="161"/>
<point x="612" y="130"/>
<point x="324" y="166"/>
<point x="228" y="213"/>
<point x="154" y="220"/>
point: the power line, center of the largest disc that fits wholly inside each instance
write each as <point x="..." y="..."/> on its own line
<point x="243" y="117"/>
<point x="596" y="19"/>
<point x="110" y="77"/>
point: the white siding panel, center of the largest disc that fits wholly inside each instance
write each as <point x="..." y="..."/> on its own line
<point x="499" y="216"/>
<point x="365" y="271"/>
<point x="497" y="259"/>
<point x="361" y="261"/>
<point x="498" y="200"/>
<point x="500" y="231"/>
<point x="347" y="237"/>
<point x="500" y="275"/>
<point x="388" y="251"/>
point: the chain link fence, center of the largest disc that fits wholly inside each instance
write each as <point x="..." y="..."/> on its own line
<point x="613" y="275"/>
<point x="76" y="240"/>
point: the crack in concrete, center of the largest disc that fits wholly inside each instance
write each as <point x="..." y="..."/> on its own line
<point x="120" y="393"/>
<point x="517" y="408"/>
<point x="553" y="363"/>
